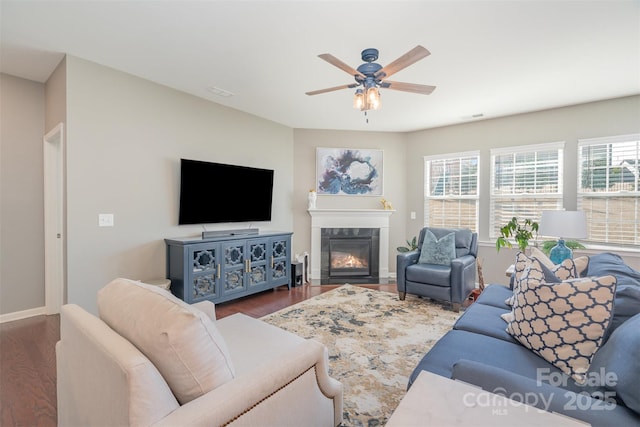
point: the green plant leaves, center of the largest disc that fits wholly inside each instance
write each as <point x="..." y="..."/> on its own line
<point x="411" y="245"/>
<point x="521" y="233"/>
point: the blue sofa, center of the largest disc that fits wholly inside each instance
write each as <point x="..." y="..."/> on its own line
<point x="479" y="351"/>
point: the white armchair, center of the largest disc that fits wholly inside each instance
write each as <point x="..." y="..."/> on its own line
<point x="279" y="379"/>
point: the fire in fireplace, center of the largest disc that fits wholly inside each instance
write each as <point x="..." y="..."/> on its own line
<point x="349" y="255"/>
<point x="347" y="261"/>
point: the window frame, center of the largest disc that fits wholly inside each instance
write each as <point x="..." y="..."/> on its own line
<point x="549" y="197"/>
<point x="427" y="164"/>
<point x="608" y="195"/>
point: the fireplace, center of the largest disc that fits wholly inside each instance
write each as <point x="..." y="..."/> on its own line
<point x="350" y="218"/>
<point x="349" y="255"/>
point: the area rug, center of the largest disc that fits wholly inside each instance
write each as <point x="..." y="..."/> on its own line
<point x="374" y="341"/>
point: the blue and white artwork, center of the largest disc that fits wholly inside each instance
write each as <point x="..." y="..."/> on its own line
<point x="348" y="171"/>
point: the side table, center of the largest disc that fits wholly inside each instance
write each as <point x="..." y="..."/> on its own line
<point x="510" y="270"/>
<point x="434" y="400"/>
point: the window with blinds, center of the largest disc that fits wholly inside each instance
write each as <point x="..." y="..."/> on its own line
<point x="609" y="188"/>
<point x="525" y="181"/>
<point x="451" y="190"/>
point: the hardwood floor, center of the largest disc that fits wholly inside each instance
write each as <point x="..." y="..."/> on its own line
<point x="28" y="371"/>
<point x="27" y="353"/>
<point x="271" y="301"/>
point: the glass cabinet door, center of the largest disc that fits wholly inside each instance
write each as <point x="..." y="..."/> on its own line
<point x="258" y="262"/>
<point x="204" y="273"/>
<point x="233" y="267"/>
<point x="279" y="260"/>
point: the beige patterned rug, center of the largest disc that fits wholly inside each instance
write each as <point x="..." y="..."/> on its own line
<point x="374" y="341"/>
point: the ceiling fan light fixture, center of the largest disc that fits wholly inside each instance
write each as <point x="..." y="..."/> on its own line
<point x="373" y="98"/>
<point x="367" y="98"/>
<point x="358" y="99"/>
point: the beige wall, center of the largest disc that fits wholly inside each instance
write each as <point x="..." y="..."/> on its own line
<point x="605" y="118"/>
<point x="21" y="194"/>
<point x="56" y="97"/>
<point x="394" y="175"/>
<point x="125" y="138"/>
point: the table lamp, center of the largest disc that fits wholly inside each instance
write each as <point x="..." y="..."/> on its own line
<point x="570" y="224"/>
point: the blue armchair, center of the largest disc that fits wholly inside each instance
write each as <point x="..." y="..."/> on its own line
<point x="451" y="283"/>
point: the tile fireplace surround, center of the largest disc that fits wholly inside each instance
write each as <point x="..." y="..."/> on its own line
<point x="349" y="218"/>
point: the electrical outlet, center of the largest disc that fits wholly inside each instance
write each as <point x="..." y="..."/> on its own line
<point x="105" y="220"/>
<point x="413" y="215"/>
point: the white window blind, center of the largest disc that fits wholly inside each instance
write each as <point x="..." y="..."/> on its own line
<point x="451" y="190"/>
<point x="609" y="188"/>
<point x="525" y="181"/>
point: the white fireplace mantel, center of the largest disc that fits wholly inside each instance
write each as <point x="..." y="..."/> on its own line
<point x="349" y="218"/>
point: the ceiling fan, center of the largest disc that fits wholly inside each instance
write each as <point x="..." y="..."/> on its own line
<point x="372" y="76"/>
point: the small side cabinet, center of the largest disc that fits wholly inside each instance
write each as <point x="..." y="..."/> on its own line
<point x="223" y="268"/>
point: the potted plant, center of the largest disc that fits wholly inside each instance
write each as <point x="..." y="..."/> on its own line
<point x="521" y="233"/>
<point x="412" y="245"/>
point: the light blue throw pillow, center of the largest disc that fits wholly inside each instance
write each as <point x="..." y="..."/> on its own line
<point x="436" y="251"/>
<point x="615" y="366"/>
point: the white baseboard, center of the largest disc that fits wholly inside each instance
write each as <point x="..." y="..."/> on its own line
<point x="17" y="315"/>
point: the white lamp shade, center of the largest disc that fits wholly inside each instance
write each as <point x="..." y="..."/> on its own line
<point x="563" y="224"/>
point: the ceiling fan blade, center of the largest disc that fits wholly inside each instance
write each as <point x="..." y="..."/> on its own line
<point x="411" y="57"/>
<point x="331" y="89"/>
<point x="408" y="87"/>
<point x="344" y="67"/>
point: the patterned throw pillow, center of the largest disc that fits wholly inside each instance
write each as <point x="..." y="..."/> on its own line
<point x="581" y="262"/>
<point x="564" y="323"/>
<point x="436" y="251"/>
<point x="542" y="257"/>
<point x="563" y="271"/>
<point x="534" y="273"/>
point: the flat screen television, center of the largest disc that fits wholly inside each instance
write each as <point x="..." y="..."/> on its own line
<point x="217" y="192"/>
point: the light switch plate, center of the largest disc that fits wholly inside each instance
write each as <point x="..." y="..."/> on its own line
<point x="105" y="220"/>
<point x="413" y="215"/>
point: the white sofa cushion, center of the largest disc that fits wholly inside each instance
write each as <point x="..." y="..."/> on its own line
<point x="182" y="341"/>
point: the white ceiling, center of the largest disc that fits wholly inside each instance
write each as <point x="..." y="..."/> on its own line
<point x="494" y="58"/>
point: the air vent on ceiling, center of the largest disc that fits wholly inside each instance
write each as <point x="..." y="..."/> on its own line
<point x="219" y="92"/>
<point x="472" y="116"/>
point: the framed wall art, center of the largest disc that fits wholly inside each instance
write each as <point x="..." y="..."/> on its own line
<point x="349" y="171"/>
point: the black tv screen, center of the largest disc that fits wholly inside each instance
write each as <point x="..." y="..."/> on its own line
<point x="216" y="192"/>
